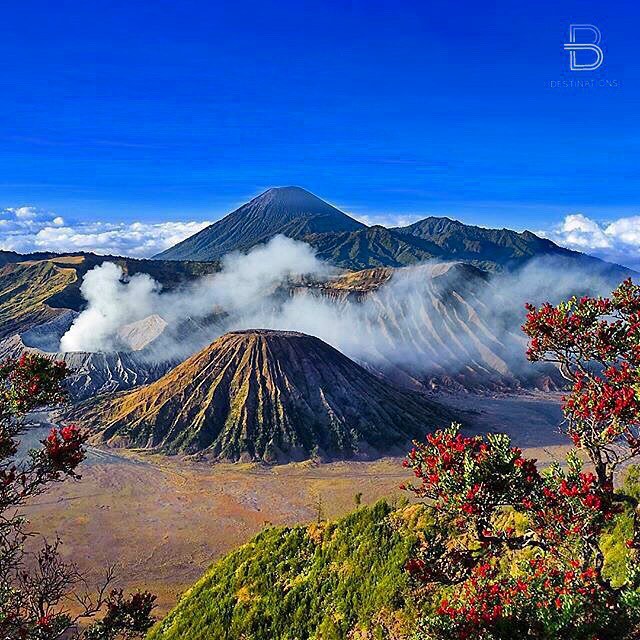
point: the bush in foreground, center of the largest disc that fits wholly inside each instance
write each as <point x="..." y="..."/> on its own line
<point x="519" y="552"/>
<point x="36" y="591"/>
<point x="329" y="580"/>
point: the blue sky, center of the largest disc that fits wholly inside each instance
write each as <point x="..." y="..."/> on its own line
<point x="115" y="112"/>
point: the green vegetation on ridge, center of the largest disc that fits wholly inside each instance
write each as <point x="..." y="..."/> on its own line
<point x="324" y="581"/>
<point x="343" y="580"/>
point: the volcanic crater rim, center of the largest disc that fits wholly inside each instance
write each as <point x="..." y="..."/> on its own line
<point x="269" y="332"/>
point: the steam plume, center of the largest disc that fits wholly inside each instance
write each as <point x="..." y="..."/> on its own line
<point x="437" y="317"/>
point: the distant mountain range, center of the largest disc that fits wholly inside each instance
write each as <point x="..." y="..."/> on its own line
<point x="347" y="243"/>
<point x="339" y="239"/>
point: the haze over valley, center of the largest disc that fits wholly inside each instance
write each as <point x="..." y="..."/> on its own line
<point x="443" y="318"/>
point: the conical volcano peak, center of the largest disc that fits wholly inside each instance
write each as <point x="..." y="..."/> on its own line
<point x="295" y="197"/>
<point x="291" y="190"/>
<point x="289" y="203"/>
<point x="290" y="211"/>
<point x="265" y="395"/>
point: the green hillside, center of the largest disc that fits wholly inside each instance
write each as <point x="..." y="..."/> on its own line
<point x="330" y="581"/>
<point x="325" y="581"/>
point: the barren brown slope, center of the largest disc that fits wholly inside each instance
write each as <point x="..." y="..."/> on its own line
<point x="25" y="289"/>
<point x="265" y="395"/>
<point x="36" y="289"/>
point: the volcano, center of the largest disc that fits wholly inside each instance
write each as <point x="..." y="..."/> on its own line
<point x="273" y="396"/>
<point x="291" y="211"/>
<point x="344" y="242"/>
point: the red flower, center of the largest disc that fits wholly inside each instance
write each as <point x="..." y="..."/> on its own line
<point x="64" y="449"/>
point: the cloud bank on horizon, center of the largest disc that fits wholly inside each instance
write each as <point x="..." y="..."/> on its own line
<point x="28" y="229"/>
<point x="616" y="241"/>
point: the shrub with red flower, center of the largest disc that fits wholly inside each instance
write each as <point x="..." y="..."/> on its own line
<point x="538" y="598"/>
<point x="63" y="449"/>
<point x="32" y="593"/>
<point x="596" y="344"/>
<point x="516" y="551"/>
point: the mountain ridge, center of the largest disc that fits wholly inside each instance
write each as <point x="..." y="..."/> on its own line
<point x="317" y="576"/>
<point x="348" y="243"/>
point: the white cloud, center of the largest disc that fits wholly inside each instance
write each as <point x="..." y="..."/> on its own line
<point x="27" y="229"/>
<point x="25" y="213"/>
<point x="617" y="241"/>
<point x="387" y="220"/>
<point x="627" y="230"/>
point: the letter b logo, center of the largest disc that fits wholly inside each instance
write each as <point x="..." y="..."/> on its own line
<point x="576" y="45"/>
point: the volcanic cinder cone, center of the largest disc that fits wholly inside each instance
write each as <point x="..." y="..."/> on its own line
<point x="265" y="395"/>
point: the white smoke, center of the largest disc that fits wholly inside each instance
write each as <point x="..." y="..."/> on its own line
<point x="111" y="304"/>
<point x="434" y="317"/>
<point x="244" y="281"/>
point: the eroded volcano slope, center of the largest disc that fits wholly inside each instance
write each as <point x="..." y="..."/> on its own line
<point x="265" y="395"/>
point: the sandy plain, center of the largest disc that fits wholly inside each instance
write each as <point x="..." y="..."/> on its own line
<point x="164" y="520"/>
